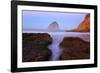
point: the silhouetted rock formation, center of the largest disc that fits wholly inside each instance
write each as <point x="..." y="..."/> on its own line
<point x="75" y="48"/>
<point x="53" y="26"/>
<point x="85" y="25"/>
<point x="35" y="47"/>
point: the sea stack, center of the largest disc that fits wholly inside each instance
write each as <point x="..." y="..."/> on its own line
<point x="53" y="26"/>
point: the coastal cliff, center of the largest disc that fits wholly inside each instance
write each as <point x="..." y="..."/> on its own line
<point x="84" y="26"/>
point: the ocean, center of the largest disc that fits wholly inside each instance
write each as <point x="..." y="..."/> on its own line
<point x="57" y="39"/>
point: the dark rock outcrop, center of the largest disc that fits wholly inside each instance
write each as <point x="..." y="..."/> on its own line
<point x="35" y="47"/>
<point x="74" y="48"/>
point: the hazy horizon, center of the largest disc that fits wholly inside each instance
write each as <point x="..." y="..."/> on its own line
<point x="41" y="20"/>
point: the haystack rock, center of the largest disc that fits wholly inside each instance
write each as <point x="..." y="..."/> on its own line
<point x="53" y="26"/>
<point x="84" y="26"/>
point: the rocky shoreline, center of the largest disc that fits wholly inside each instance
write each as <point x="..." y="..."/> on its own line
<point x="35" y="48"/>
<point x="74" y="48"/>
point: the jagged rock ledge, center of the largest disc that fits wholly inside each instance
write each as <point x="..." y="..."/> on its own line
<point x="35" y="47"/>
<point x="74" y="48"/>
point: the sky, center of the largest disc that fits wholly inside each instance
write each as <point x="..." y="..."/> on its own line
<point x="42" y="19"/>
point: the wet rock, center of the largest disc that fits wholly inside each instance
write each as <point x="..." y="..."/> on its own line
<point x="74" y="48"/>
<point x="42" y="38"/>
<point x="35" y="47"/>
<point x="32" y="55"/>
